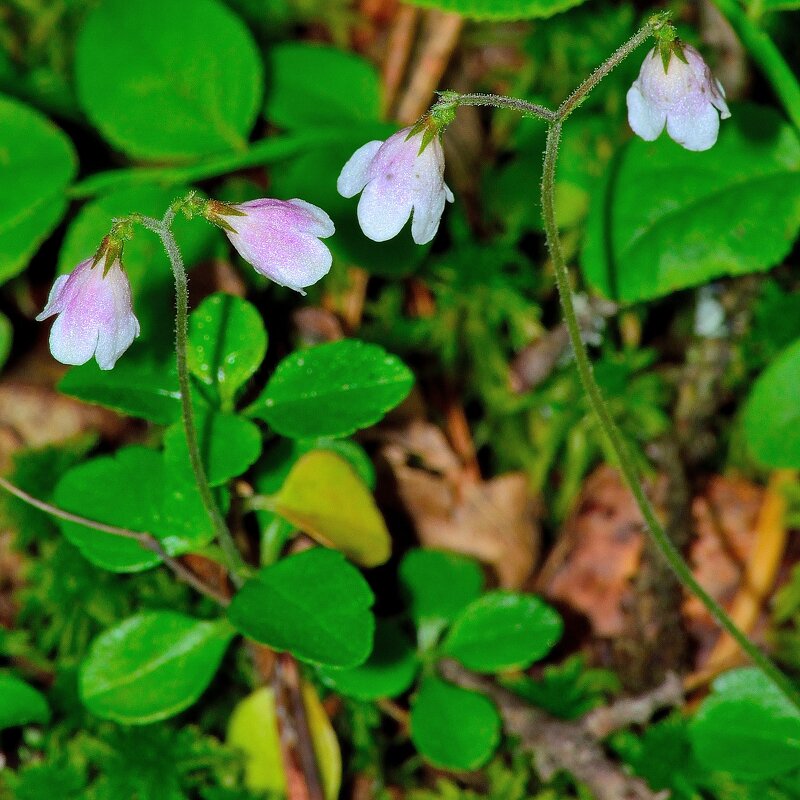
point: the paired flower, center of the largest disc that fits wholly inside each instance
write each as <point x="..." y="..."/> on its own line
<point x="279" y="238"/>
<point x="675" y="88"/>
<point x="402" y="175"/>
<point x="94" y="313"/>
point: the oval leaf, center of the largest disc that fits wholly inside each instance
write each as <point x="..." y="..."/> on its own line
<point x="311" y="499"/>
<point x="500" y="9"/>
<point x="149" y="79"/>
<point x="20" y="704"/>
<point x="453" y="727"/>
<point x="151" y="666"/>
<point x="503" y="630"/>
<point x="332" y="390"/>
<point x="314" y="605"/>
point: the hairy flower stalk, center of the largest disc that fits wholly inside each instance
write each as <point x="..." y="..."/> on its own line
<point x="94" y="312"/>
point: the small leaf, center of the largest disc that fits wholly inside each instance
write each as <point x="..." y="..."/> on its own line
<point x="37" y="163"/>
<point x="253" y="729"/>
<point x="747" y="727"/>
<point x="332" y="390"/>
<point x="311" y="499"/>
<point x="315" y="605"/>
<point x="452" y="727"/>
<point x="132" y="489"/>
<point x="20" y="704"/>
<point x="772" y="414"/>
<point x="229" y="444"/>
<point x="227" y="343"/>
<point x="160" y="91"/>
<point x="388" y="672"/>
<point x="438" y="585"/>
<point x="503" y="630"/>
<point x="151" y="666"/>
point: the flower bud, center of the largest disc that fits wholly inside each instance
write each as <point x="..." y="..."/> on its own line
<point x="675" y="88"/>
<point x="95" y="317"/>
<point x="279" y="238"/>
<point x="403" y="174"/>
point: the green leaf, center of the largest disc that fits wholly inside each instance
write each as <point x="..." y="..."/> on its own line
<point x="438" y="585"/>
<point x="772" y="415"/>
<point x="229" y="444"/>
<point x="311" y="498"/>
<point x="253" y="729"/>
<point x="503" y="630"/>
<point x="498" y="10"/>
<point x="336" y="87"/>
<point x="151" y="666"/>
<point x="145" y="260"/>
<point x="227" y="343"/>
<point x="37" y="163"/>
<point x="669" y="219"/>
<point x="6" y="337"/>
<point x="332" y="390"/>
<point x="388" y="672"/>
<point x="139" y="385"/>
<point x="132" y="489"/>
<point x="157" y="87"/>
<point x="20" y="704"/>
<point x="747" y="727"/>
<point x="452" y="727"/>
<point x="315" y="605"/>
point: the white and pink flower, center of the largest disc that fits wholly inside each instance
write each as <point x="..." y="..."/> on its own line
<point x="396" y="179"/>
<point x="95" y="315"/>
<point x="685" y="97"/>
<point x="280" y="238"/>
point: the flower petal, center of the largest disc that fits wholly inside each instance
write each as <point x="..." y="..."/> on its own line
<point x="645" y="118"/>
<point x="694" y="128"/>
<point x="428" y="210"/>
<point x="73" y="337"/>
<point x="384" y="209"/>
<point x="55" y="300"/>
<point x="353" y="177"/>
<point x="113" y="341"/>
<point x="320" y="224"/>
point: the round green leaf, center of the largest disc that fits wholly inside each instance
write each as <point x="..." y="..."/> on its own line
<point x="388" y="672"/>
<point x="503" y="630"/>
<point x="168" y="80"/>
<point x="669" y="219"/>
<point x="227" y="343"/>
<point x="311" y="499"/>
<point x="337" y="87"/>
<point x="772" y="413"/>
<point x="133" y="489"/>
<point x="332" y="390"/>
<point x="151" y="666"/>
<point x="747" y="727"/>
<point x="437" y="585"/>
<point x="453" y="727"/>
<point x="500" y="9"/>
<point x="20" y="704"/>
<point x="314" y="604"/>
<point x="37" y="163"/>
<point x="229" y="444"/>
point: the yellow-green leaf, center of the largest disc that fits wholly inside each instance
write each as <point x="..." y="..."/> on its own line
<point x="253" y="729"/>
<point x="325" y="497"/>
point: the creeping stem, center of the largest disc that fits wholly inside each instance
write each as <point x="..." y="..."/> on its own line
<point x="163" y="228"/>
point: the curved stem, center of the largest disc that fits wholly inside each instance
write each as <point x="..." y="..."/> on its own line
<point x="618" y="445"/>
<point x="163" y="228"/>
<point x="146" y="540"/>
<point x="500" y="101"/>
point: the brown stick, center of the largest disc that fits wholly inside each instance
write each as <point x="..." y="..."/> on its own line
<point x="398" y="52"/>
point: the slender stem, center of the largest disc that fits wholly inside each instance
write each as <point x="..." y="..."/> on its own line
<point x="146" y="540"/>
<point x="782" y="77"/>
<point x="500" y="101"/>
<point x="163" y="228"/>
<point x="617" y="441"/>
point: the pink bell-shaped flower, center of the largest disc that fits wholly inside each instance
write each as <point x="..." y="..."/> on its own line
<point x="684" y="96"/>
<point x="396" y="179"/>
<point x="280" y="238"/>
<point x="95" y="316"/>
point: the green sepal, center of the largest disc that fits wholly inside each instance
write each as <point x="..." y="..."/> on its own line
<point x="215" y="212"/>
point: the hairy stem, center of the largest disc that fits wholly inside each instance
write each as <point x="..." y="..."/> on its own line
<point x="618" y="445"/>
<point x="163" y="228"/>
<point x="499" y="101"/>
<point x="146" y="540"/>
